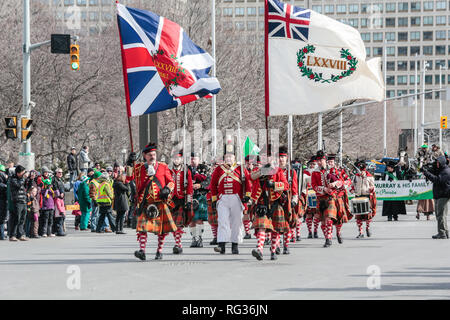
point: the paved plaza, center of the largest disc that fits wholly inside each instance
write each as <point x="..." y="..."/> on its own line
<point x="399" y="261"/>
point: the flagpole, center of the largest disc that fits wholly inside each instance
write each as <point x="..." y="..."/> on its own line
<point x="213" y="107"/>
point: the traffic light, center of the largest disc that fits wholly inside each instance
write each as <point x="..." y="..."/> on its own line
<point x="444" y="122"/>
<point x="26" y="132"/>
<point x="11" y="127"/>
<point x="75" y="56"/>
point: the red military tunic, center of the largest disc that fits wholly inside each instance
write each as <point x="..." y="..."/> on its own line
<point x="326" y="201"/>
<point x="164" y="222"/>
<point x="181" y="192"/>
<point x="340" y="192"/>
<point x="227" y="180"/>
<point x="277" y="222"/>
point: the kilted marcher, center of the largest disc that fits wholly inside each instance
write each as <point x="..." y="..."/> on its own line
<point x="269" y="184"/>
<point x="289" y="203"/>
<point x="18" y="207"/>
<point x="154" y="185"/>
<point x="311" y="213"/>
<point x="249" y="166"/>
<point x="364" y="186"/>
<point x="182" y="212"/>
<point x="201" y="178"/>
<point x="326" y="199"/>
<point x="339" y="181"/>
<point x="441" y="194"/>
<point x="3" y="200"/>
<point x="228" y="193"/>
<point x="395" y="207"/>
<point x="212" y="218"/>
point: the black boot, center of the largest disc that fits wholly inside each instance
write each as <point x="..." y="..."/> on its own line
<point x="234" y="248"/>
<point x="158" y="255"/>
<point x="213" y="242"/>
<point x="278" y="250"/>
<point x="359" y="236"/>
<point x="257" y="254"/>
<point x="339" y="238"/>
<point x="194" y="242"/>
<point x="368" y="232"/>
<point x="247" y="236"/>
<point x="439" y="236"/>
<point x="140" y="254"/>
<point x="316" y="236"/>
<point x="286" y="250"/>
<point x="389" y="218"/>
<point x="220" y="248"/>
<point x="298" y="238"/>
<point x="177" y="250"/>
<point x="310" y="235"/>
<point x="200" y="242"/>
<point x="327" y="243"/>
<point x="273" y="256"/>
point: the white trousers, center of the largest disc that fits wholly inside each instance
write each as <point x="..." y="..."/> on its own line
<point x="229" y="218"/>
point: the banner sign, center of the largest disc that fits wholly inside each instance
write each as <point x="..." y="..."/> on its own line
<point x="404" y="190"/>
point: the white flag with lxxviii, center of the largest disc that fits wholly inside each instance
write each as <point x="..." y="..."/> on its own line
<point x="314" y="63"/>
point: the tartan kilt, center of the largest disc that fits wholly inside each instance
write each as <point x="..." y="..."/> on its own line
<point x="291" y="218"/>
<point x="180" y="217"/>
<point x="342" y="213"/>
<point x="373" y="209"/>
<point x="262" y="223"/>
<point x="202" y="212"/>
<point x="279" y="221"/>
<point x="162" y="224"/>
<point x="326" y="208"/>
<point x="212" y="214"/>
<point x="302" y="206"/>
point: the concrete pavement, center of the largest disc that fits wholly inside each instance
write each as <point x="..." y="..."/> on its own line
<point x="400" y="259"/>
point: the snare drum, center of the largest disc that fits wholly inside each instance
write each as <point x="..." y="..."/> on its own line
<point x="312" y="199"/>
<point x="360" y="206"/>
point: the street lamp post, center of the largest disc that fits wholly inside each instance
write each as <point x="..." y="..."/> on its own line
<point x="415" y="107"/>
<point x="422" y="127"/>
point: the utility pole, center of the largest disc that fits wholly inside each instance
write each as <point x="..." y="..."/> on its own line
<point x="416" y="106"/>
<point x="440" y="103"/>
<point x="213" y="74"/>
<point x="319" y="133"/>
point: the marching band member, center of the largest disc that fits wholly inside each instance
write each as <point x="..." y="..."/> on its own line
<point x="200" y="179"/>
<point x="364" y="186"/>
<point x="289" y="202"/>
<point x="339" y="182"/>
<point x="249" y="166"/>
<point x="154" y="185"/>
<point x="226" y="192"/>
<point x="269" y="184"/>
<point x="182" y="213"/>
<point x="312" y="215"/>
<point x="325" y="197"/>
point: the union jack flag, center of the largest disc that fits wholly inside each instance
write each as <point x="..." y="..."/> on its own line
<point x="287" y="21"/>
<point x="162" y="67"/>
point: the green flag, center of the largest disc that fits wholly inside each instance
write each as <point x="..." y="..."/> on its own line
<point x="250" y="148"/>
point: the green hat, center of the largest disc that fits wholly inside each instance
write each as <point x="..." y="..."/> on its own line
<point x="2" y="168"/>
<point x="97" y="174"/>
<point x="424" y="146"/>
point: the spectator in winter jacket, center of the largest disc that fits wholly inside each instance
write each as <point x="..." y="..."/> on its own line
<point x="3" y="200"/>
<point x="121" y="195"/>
<point x="84" y="159"/>
<point x="58" y="186"/>
<point x="72" y="166"/>
<point x="47" y="208"/>
<point x="18" y="204"/>
<point x="441" y="194"/>
<point x="104" y="201"/>
<point x="85" y="202"/>
<point x="33" y="212"/>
